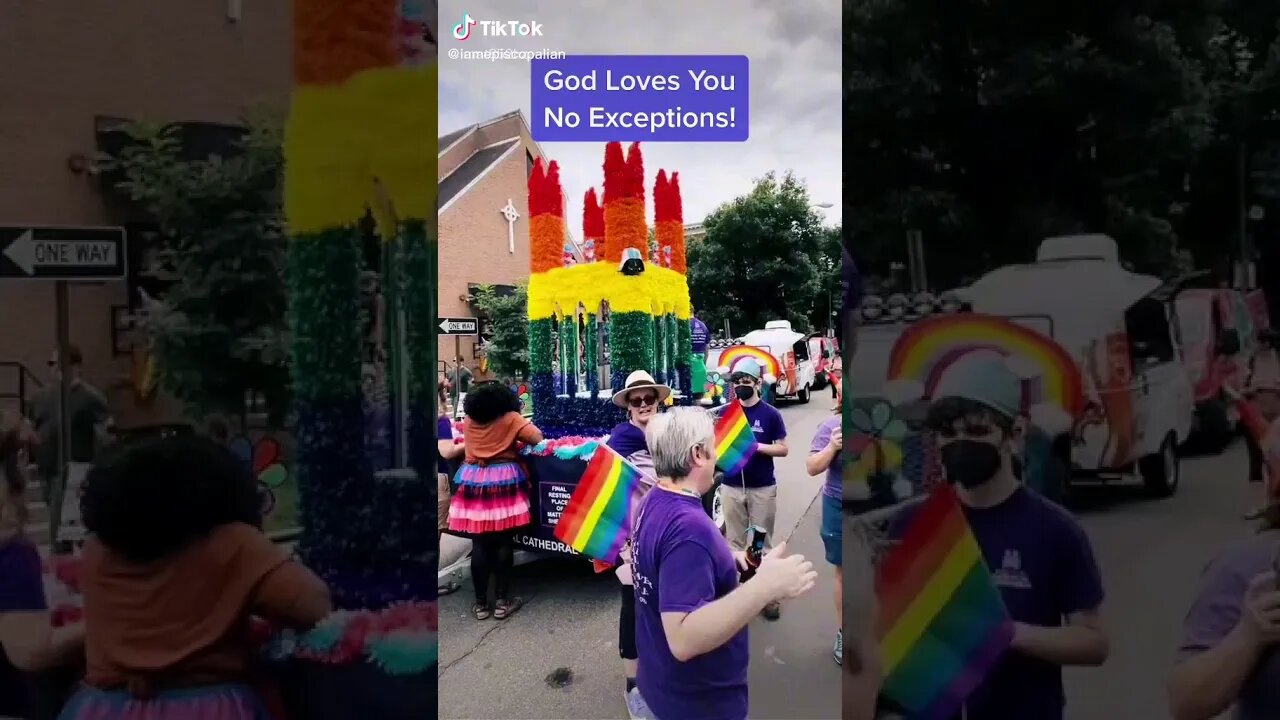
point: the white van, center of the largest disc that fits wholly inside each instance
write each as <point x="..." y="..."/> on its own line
<point x="798" y="376"/>
<point x="1122" y="330"/>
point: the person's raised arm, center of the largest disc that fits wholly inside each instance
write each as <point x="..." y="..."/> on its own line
<point x="1225" y="632"/>
<point x="529" y="434"/>
<point x="694" y="622"/>
<point x="823" y="450"/>
<point x="293" y="595"/>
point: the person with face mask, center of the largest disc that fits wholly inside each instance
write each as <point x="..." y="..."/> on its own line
<point x="1039" y="556"/>
<point x="751" y="498"/>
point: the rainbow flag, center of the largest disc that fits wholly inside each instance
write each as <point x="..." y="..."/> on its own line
<point x="735" y="443"/>
<point x="943" y="624"/>
<point x="597" y="520"/>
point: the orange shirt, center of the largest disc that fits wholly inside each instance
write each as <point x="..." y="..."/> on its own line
<point x="183" y="620"/>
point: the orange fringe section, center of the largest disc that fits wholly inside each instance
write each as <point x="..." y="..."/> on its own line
<point x="335" y="39"/>
<point x="546" y="242"/>
<point x="625" y="227"/>
<point x="670" y="235"/>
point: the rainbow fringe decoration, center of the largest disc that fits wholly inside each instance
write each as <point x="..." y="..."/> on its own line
<point x="942" y="622"/>
<point x="362" y="107"/>
<point x="735" y="442"/>
<point x="597" y="519"/>
<point x="648" y="313"/>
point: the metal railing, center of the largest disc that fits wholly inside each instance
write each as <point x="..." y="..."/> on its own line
<point x="23" y="384"/>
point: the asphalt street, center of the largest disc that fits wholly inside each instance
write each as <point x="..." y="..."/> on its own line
<point x="558" y="657"/>
<point x="1152" y="553"/>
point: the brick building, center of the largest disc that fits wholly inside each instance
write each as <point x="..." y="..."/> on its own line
<point x="483" y="214"/>
<point x="69" y="73"/>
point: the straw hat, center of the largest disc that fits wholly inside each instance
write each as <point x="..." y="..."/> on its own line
<point x="640" y="380"/>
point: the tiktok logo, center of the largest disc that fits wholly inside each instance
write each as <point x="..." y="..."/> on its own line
<point x="462" y="30"/>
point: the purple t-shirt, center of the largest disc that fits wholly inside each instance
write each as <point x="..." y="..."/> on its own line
<point x="821" y="439"/>
<point x="699" y="335"/>
<point x="1044" y="566"/>
<point x="1216" y="611"/>
<point x="682" y="563"/>
<point x="444" y="431"/>
<point x="766" y="422"/>
<point x="21" y="590"/>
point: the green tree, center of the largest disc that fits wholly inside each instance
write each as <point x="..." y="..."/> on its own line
<point x="218" y="330"/>
<point x="762" y="259"/>
<point x="508" y="348"/>
<point x="989" y="126"/>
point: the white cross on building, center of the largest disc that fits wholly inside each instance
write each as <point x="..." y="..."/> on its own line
<point x="512" y="215"/>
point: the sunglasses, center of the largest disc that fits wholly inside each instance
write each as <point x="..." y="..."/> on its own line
<point x="638" y="402"/>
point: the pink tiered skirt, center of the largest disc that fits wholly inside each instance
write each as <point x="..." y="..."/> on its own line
<point x="489" y="498"/>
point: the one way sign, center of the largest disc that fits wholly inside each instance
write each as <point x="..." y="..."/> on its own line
<point x="62" y="253"/>
<point x="458" y="326"/>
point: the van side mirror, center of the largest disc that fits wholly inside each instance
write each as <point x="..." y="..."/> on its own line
<point x="1229" y="342"/>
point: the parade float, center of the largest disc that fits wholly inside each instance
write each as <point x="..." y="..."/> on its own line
<point x="594" y="317"/>
<point x="363" y="101"/>
<point x="362" y="104"/>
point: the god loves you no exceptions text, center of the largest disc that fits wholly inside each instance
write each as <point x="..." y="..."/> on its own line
<point x="699" y="80"/>
<point x="655" y="98"/>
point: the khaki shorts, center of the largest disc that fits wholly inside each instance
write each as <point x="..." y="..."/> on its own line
<point x="443" y="497"/>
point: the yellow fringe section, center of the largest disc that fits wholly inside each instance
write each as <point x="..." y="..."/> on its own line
<point x="339" y="138"/>
<point x="658" y="291"/>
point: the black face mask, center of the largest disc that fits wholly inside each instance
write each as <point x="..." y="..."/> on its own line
<point x="744" y="392"/>
<point x="969" y="463"/>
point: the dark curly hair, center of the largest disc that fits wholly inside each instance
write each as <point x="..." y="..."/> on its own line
<point x="488" y="402"/>
<point x="156" y="497"/>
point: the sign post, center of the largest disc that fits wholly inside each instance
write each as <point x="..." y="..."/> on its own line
<point x="458" y="328"/>
<point x="62" y="254"/>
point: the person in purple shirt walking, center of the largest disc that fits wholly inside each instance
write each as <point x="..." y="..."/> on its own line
<point x="825" y="456"/>
<point x="699" y="340"/>
<point x="691" y="612"/>
<point x="1039" y="556"/>
<point x="1228" y="654"/>
<point x="447" y="451"/>
<point x="28" y="642"/>
<point x="750" y="499"/>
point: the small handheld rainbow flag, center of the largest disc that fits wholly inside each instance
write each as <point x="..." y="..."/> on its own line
<point x="735" y="443"/>
<point x="943" y="624"/>
<point x="597" y="519"/>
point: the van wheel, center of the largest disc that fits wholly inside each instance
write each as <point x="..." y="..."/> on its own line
<point x="804" y="394"/>
<point x="1162" y="470"/>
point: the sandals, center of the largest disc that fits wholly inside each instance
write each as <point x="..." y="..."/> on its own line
<point x="504" y="609"/>
<point x="447" y="588"/>
<point x="480" y="612"/>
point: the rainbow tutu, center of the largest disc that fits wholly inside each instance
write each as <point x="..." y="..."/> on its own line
<point x="214" y="702"/>
<point x="489" y="498"/>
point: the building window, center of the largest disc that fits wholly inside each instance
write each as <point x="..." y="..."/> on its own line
<point x="528" y="163"/>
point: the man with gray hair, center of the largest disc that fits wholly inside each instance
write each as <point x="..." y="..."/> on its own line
<point x="691" y="612"/>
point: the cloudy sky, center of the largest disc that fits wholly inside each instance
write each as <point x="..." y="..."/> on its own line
<point x="794" y="51"/>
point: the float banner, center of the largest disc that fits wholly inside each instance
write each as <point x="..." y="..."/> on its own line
<point x="640" y="98"/>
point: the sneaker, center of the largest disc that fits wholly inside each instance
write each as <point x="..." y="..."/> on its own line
<point x="637" y="708"/>
<point x="838" y="650"/>
<point x="772" y="611"/>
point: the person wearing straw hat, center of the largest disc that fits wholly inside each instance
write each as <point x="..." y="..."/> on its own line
<point x="750" y="499"/>
<point x="641" y="397"/>
<point x="1040" y="558"/>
